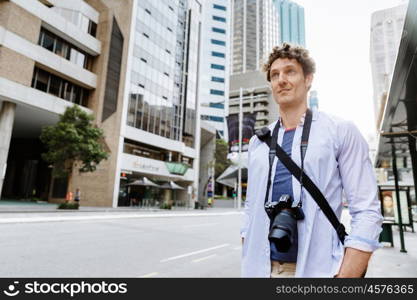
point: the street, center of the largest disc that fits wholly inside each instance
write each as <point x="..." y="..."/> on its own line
<point x="188" y="243"/>
<point x="194" y="246"/>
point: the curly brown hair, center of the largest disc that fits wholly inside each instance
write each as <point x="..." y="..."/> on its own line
<point x="300" y="54"/>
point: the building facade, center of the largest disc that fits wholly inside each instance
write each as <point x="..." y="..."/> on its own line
<point x="215" y="64"/>
<point x="386" y="31"/>
<point x="291" y="22"/>
<point x="161" y="131"/>
<point x="257" y="97"/>
<point x="133" y="64"/>
<point x="255" y="31"/>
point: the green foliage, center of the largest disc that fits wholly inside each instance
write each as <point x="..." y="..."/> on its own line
<point x="69" y="205"/>
<point x="74" y="138"/>
<point x="165" y="206"/>
<point x="222" y="162"/>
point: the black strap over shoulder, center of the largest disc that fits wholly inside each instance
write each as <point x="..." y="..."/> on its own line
<point x="276" y="150"/>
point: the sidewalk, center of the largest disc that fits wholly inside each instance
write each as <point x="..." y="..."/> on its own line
<point x="27" y="212"/>
<point x="389" y="261"/>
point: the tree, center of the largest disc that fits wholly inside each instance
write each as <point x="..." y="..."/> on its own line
<point x="73" y="139"/>
<point x="222" y="162"/>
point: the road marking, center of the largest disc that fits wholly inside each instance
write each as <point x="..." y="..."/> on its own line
<point x="237" y="248"/>
<point x="111" y="216"/>
<point x="203" y="258"/>
<point x="200" y="225"/>
<point x="194" y="253"/>
<point x="149" y="275"/>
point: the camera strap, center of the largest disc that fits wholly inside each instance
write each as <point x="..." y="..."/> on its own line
<point x="298" y="173"/>
<point x="273" y="146"/>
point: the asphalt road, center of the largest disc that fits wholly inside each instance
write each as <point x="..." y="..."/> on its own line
<point x="197" y="246"/>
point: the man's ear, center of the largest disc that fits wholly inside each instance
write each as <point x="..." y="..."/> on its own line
<point x="309" y="81"/>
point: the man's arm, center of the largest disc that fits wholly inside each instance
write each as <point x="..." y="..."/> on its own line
<point x="355" y="263"/>
<point x="359" y="184"/>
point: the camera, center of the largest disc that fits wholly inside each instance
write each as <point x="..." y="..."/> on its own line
<point x="284" y="215"/>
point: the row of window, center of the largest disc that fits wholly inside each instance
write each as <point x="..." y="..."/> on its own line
<point x="218" y="42"/>
<point x="220" y="7"/>
<point x="57" y="45"/>
<point x="217" y="54"/>
<point x="212" y="118"/>
<point x="217" y="92"/>
<point x="220" y="19"/>
<point x="217" y="67"/>
<point x="216" y="105"/>
<point x="218" y="30"/>
<point x="51" y="84"/>
<point x="217" y="79"/>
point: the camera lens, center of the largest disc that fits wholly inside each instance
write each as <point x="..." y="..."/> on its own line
<point x="282" y="230"/>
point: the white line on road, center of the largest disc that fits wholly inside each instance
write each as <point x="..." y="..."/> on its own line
<point x="237" y="248"/>
<point x="109" y="217"/>
<point x="149" y="275"/>
<point x="194" y="253"/>
<point x="204" y="258"/>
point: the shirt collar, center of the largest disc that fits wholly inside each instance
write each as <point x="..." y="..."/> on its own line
<point x="303" y="117"/>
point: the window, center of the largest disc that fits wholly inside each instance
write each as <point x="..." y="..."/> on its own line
<point x="217" y="105"/>
<point x="217" y="42"/>
<point x="216" y="119"/>
<point x="48" y="41"/>
<point x="217" y="67"/>
<point x="217" y="54"/>
<point x="52" y="84"/>
<point x="41" y="80"/>
<point x="217" y="79"/>
<point x="220" y="19"/>
<point x="92" y="28"/>
<point x="219" y="30"/>
<point x="53" y="43"/>
<point x="217" y="92"/>
<point x="221" y="7"/>
<point x="55" y="85"/>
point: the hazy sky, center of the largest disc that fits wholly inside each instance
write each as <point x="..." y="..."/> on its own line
<point x="338" y="37"/>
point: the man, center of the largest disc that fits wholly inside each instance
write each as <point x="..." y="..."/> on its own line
<point x="336" y="160"/>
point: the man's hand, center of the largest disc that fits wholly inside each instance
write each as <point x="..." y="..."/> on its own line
<point x="355" y="263"/>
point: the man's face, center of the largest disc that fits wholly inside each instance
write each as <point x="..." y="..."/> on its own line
<point x="289" y="85"/>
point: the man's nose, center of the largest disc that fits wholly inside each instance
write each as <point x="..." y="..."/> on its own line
<point x="282" y="80"/>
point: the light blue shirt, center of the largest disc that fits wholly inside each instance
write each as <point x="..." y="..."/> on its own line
<point x="337" y="161"/>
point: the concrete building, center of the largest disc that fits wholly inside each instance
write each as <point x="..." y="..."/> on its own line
<point x="255" y="31"/>
<point x="386" y="31"/>
<point x="257" y="97"/>
<point x="291" y="22"/>
<point x="215" y="64"/>
<point x="132" y="64"/>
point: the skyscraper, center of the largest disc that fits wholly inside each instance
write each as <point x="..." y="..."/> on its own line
<point x="255" y="31"/>
<point x="291" y="22"/>
<point x="386" y="30"/>
<point x="215" y="63"/>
